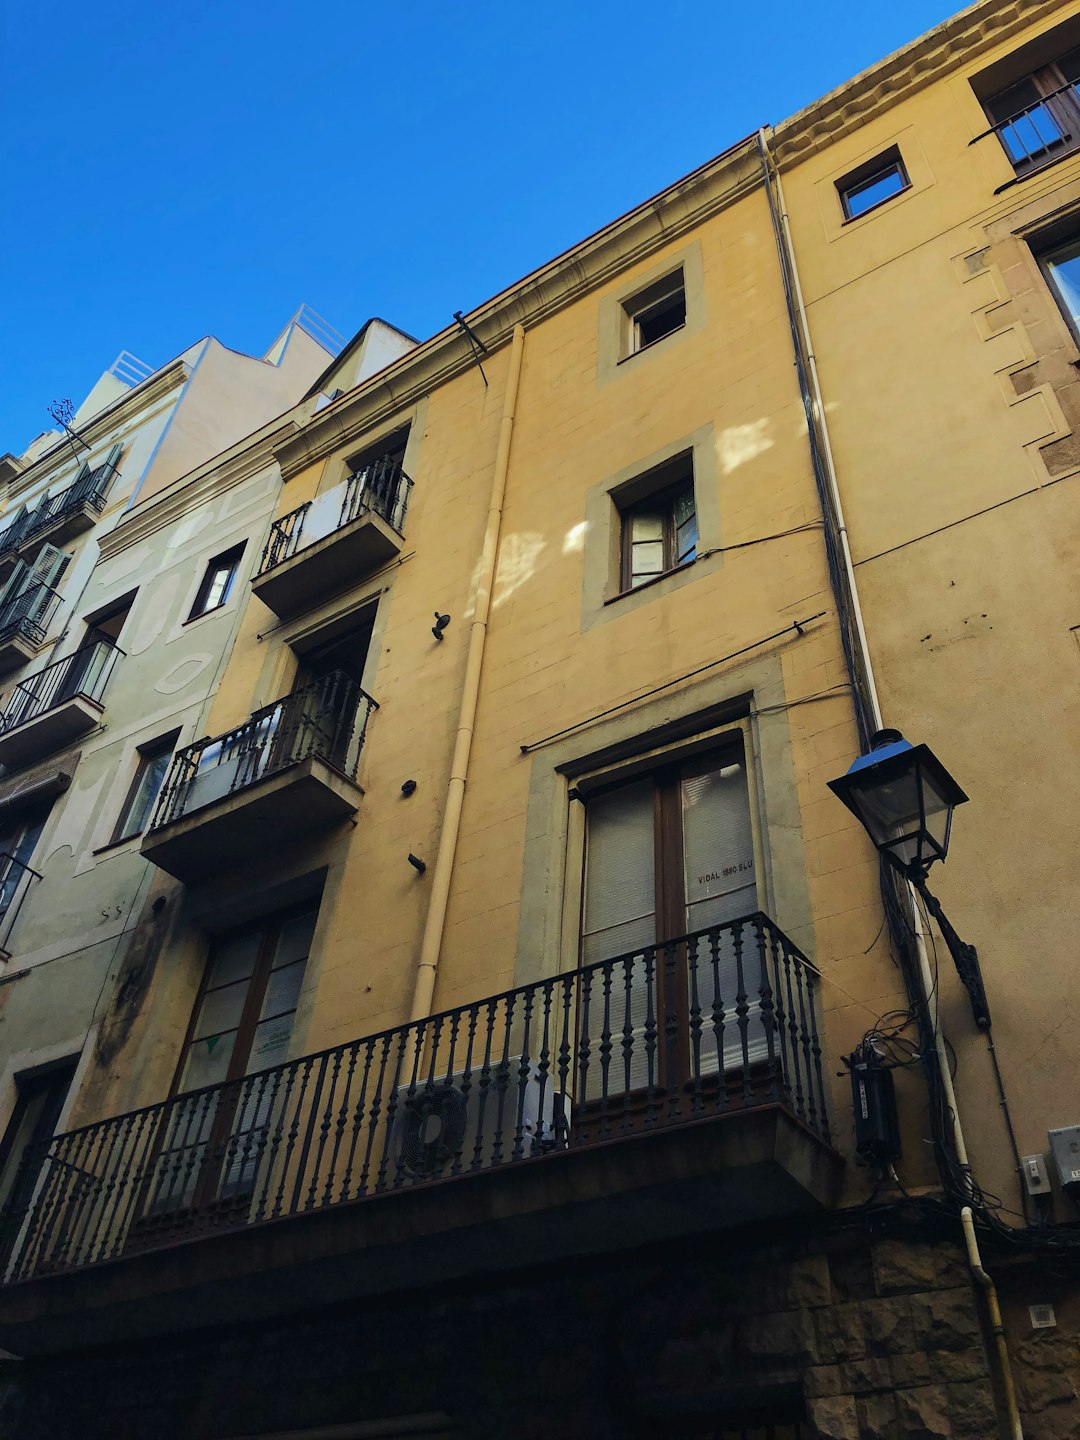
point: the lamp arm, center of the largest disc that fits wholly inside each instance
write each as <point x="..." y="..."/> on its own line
<point x="965" y="956"/>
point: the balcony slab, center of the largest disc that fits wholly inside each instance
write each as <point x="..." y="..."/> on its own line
<point x="328" y="566"/>
<point x="49" y="731"/>
<point x="63" y="527"/>
<point x="256" y="820"/>
<point x="16" y="650"/>
<point x="749" y="1167"/>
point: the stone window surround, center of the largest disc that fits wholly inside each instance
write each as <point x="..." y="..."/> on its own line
<point x="338" y="466"/>
<point x="603" y="598"/>
<point x="739" y="700"/>
<point x="615" y="356"/>
<point x="920" y="177"/>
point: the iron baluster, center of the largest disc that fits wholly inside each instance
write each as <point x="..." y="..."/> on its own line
<point x="524" y="1077"/>
<point x="373" y="1118"/>
<point x="718" y="1018"/>
<point x="466" y="1081"/>
<point x="766" y="1007"/>
<point x="305" y="1149"/>
<point x="650" y="1037"/>
<point x="742" y="1010"/>
<point x="795" y="1087"/>
<point x="342" y="1119"/>
<point x="696" y="1102"/>
<point x="357" y="1121"/>
<point x="485" y="1086"/>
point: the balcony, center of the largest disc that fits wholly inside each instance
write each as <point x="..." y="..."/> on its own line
<point x="649" y="1096"/>
<point x="334" y="540"/>
<point x="24" y="624"/>
<point x="15" y="880"/>
<point x="287" y="771"/>
<point x="56" y="705"/>
<point x="59" y="517"/>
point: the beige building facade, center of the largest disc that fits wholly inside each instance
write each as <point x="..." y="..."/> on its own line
<point x="481" y="1062"/>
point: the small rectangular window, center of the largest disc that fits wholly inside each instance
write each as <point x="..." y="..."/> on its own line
<point x="217" y="583"/>
<point x="656" y="312"/>
<point x="154" y="759"/>
<point x="659" y="528"/>
<point x="872" y="184"/>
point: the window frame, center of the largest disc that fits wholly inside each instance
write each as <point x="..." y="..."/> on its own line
<point x="662" y="497"/>
<point x="228" y="560"/>
<point x="268" y="929"/>
<point x="732" y="743"/>
<point x="637" y="306"/>
<point x="1059" y="97"/>
<point x="864" y="175"/>
<point x="148" y="752"/>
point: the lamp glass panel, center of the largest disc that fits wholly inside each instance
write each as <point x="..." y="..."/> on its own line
<point x="938" y="810"/>
<point x="888" y="805"/>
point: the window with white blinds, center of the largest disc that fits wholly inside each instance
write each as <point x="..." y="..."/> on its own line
<point x="670" y="854"/>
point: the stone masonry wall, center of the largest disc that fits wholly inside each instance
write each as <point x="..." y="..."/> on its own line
<point x="882" y="1339"/>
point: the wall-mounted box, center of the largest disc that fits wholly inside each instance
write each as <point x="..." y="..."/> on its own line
<point x="1065" y="1149"/>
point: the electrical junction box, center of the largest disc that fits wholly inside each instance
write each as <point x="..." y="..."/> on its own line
<point x="1036" y="1178"/>
<point x="1065" y="1149"/>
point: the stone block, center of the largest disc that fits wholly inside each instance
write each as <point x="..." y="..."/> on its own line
<point x="852" y="1274"/>
<point x="971" y="1406"/>
<point x="877" y="1418"/>
<point x="923" y="1413"/>
<point x="945" y="1320"/>
<point x="901" y="1268"/>
<point x="824" y="1380"/>
<point x="888" y="1325"/>
<point x="869" y="1373"/>
<point x="958" y="1364"/>
<point x="787" y="1339"/>
<point x="834" y="1417"/>
<point x="913" y="1369"/>
<point x="840" y="1332"/>
<point x="808" y="1283"/>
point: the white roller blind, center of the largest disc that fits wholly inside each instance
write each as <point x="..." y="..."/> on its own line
<point x="720" y="885"/>
<point x="620" y="915"/>
<point x="620" y="876"/>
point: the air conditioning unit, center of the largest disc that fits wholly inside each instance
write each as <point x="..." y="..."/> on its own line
<point x="447" y="1127"/>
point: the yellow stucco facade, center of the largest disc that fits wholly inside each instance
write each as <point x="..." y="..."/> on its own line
<point x="872" y="413"/>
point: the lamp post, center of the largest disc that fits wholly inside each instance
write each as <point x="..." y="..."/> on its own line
<point x="904" y="798"/>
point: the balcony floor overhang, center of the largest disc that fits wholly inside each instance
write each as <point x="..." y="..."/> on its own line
<point x="16" y="650"/>
<point x="328" y="566"/>
<point x="256" y="820"/>
<point x="65" y="527"/>
<point x="49" y="731"/>
<point x="745" y="1167"/>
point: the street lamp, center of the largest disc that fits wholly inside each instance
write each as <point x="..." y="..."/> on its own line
<point x="904" y="798"/>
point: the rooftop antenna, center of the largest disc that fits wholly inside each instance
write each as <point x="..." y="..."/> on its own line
<point x="63" y="412"/>
<point x="477" y="345"/>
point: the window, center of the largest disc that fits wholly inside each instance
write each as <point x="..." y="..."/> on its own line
<point x="153" y="765"/>
<point x="244" y="1015"/>
<point x="657" y="312"/>
<point x="19" y="836"/>
<point x="659" y="530"/>
<point x="1038" y="118"/>
<point x="217" y="583"/>
<point x="668" y="854"/>
<point x="39" y="1101"/>
<point x="208" y="1151"/>
<point x="872" y="184"/>
<point x="1059" y="257"/>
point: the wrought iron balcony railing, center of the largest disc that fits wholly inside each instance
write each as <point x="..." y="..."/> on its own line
<point x="702" y="1026"/>
<point x="15" y="880"/>
<point x="90" y="489"/>
<point x="83" y="674"/>
<point x="1040" y="131"/>
<point x="326" y="720"/>
<point x="381" y="488"/>
<point x="28" y="615"/>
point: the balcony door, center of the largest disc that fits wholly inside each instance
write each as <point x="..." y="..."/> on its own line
<point x="214" y="1140"/>
<point x="670" y="854"/>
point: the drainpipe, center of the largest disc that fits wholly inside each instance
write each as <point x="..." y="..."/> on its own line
<point x="997" y="1328"/>
<point x="782" y="224"/>
<point x="431" y="944"/>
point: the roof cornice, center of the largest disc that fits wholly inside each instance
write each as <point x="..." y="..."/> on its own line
<point x="153" y="389"/>
<point x="947" y="47"/>
<point x="625" y="242"/>
<point x="199" y="487"/>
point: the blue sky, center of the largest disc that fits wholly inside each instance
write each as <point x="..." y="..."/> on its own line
<point x="176" y="170"/>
